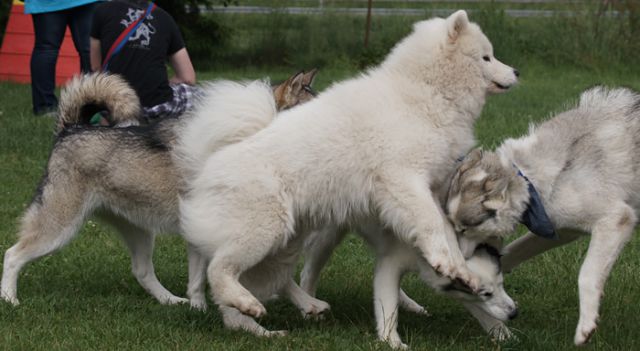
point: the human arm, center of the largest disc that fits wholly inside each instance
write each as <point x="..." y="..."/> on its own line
<point x="182" y="68"/>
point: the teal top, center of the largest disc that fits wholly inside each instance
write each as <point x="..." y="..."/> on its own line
<point x="41" y="6"/>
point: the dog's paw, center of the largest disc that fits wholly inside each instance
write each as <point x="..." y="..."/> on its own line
<point x="456" y="271"/>
<point x="315" y="309"/>
<point x="275" y="333"/>
<point x="421" y="311"/>
<point x="199" y="304"/>
<point x="10" y="299"/>
<point x="584" y="332"/>
<point x="250" y="306"/>
<point x="397" y="344"/>
<point x="173" y="300"/>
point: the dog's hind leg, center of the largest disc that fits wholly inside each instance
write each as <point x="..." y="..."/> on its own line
<point x="197" y="279"/>
<point x="140" y="244"/>
<point x="49" y="223"/>
<point x="318" y="249"/>
<point x="307" y="304"/>
<point x="530" y="245"/>
<point x="608" y="238"/>
<point x="408" y="304"/>
<point x="235" y="320"/>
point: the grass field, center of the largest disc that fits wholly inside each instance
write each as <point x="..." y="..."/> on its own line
<point x="85" y="298"/>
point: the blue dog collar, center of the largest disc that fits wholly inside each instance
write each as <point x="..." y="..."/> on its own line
<point x="535" y="217"/>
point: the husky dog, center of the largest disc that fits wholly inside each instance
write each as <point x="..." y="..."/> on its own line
<point x="369" y="148"/>
<point x="393" y="259"/>
<point x="89" y="94"/>
<point x="126" y="176"/>
<point x="575" y="173"/>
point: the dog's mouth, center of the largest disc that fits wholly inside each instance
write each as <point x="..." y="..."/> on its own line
<point x="500" y="86"/>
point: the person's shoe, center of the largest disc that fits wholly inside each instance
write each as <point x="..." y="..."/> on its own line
<point x="51" y="111"/>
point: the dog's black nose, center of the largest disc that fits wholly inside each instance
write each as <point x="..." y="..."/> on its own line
<point x="513" y="314"/>
<point x="516" y="72"/>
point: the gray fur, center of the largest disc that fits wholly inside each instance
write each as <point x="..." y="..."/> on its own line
<point x="124" y="176"/>
<point x="585" y="164"/>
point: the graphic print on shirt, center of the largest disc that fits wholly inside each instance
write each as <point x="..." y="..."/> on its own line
<point x="144" y="31"/>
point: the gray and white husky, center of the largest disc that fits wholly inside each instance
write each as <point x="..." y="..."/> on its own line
<point x="581" y="169"/>
<point x="127" y="176"/>
<point x="393" y="258"/>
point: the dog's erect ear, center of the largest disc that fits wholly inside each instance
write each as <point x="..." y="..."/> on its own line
<point x="309" y="77"/>
<point x="297" y="82"/>
<point x="456" y="24"/>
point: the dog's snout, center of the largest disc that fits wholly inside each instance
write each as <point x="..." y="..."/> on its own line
<point x="516" y="72"/>
<point x="513" y="314"/>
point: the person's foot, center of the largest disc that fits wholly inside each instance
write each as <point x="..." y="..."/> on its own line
<point x="50" y="111"/>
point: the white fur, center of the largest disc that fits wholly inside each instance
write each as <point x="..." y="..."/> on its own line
<point x="369" y="147"/>
<point x="227" y="113"/>
<point x="584" y="164"/>
<point x="393" y="259"/>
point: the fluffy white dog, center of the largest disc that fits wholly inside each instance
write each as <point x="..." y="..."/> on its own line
<point x="369" y="147"/>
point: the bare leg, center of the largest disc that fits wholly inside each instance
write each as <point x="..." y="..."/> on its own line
<point x="386" y="285"/>
<point x="318" y="249"/>
<point x="308" y="305"/>
<point x="608" y="238"/>
<point x="530" y="245"/>
<point x="235" y="320"/>
<point x="140" y="244"/>
<point x="197" y="279"/>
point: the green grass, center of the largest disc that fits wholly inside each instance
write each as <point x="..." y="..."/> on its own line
<point x="84" y="297"/>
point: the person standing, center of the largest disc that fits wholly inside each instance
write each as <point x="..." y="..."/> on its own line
<point x="136" y="39"/>
<point x="50" y="21"/>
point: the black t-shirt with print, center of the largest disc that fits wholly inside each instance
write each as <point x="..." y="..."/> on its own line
<point x="142" y="59"/>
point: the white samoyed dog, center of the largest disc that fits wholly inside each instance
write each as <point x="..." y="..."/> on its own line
<point x="371" y="147"/>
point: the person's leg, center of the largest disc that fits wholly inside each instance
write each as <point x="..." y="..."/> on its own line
<point x="79" y="20"/>
<point x="49" y="31"/>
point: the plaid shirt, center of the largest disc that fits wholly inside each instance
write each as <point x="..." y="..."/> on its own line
<point x="183" y="97"/>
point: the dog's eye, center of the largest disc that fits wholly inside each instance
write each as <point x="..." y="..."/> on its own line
<point x="491" y="213"/>
<point x="486" y="58"/>
<point x="487" y="294"/>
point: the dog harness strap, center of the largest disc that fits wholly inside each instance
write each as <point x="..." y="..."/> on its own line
<point x="124" y="36"/>
<point x="535" y="218"/>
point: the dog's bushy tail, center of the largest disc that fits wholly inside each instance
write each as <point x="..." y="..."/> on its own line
<point x="87" y="94"/>
<point x="226" y="113"/>
<point x="617" y="101"/>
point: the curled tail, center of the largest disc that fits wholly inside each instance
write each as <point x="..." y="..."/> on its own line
<point x="226" y="113"/>
<point x="87" y="94"/>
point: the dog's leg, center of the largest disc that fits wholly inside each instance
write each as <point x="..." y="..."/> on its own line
<point x="530" y="245"/>
<point x="408" y="206"/>
<point x="307" y="304"/>
<point x="197" y="279"/>
<point x="140" y="244"/>
<point x="608" y="238"/>
<point x="408" y="304"/>
<point x="318" y="249"/>
<point x="231" y="259"/>
<point x="235" y="320"/>
<point x="386" y="287"/>
<point x="48" y="224"/>
<point x="495" y="327"/>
